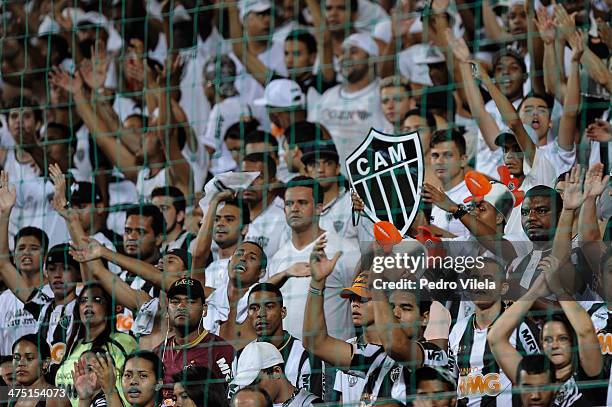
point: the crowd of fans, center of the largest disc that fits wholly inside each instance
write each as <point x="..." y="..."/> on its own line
<point x="177" y="228"/>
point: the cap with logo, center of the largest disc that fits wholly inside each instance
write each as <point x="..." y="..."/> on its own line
<point x="363" y="41"/>
<point x="282" y="93"/>
<point x="324" y="149"/>
<point x="255" y="357"/>
<point x="493" y="192"/>
<point x="60" y="254"/>
<point x="187" y="286"/>
<point x="85" y="193"/>
<point x="359" y="288"/>
<point x="253" y="6"/>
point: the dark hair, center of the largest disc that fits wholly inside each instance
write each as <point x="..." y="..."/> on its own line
<point x="264" y="257"/>
<point x="305" y="134"/>
<point x="144" y="119"/>
<point x="200" y="386"/>
<point x="35" y="232"/>
<point x="561" y="178"/>
<point x="509" y="52"/>
<point x="178" y="198"/>
<point x="536" y="364"/>
<point x="305" y="37"/>
<point x="307" y="182"/>
<point x="150" y="211"/>
<point x="550" y="193"/>
<point x="39" y="341"/>
<point x="268" y="288"/>
<point x="442" y="136"/>
<point x="354" y="4"/>
<point x="559" y="316"/>
<point x="259" y="136"/>
<point x="549" y="100"/>
<point x="158" y="366"/>
<point x="426" y="114"/>
<point x="20" y="102"/>
<point x="237" y="130"/>
<point x="264" y="158"/>
<point x="243" y="207"/>
<point x="78" y="329"/>
<point x="428" y="373"/>
<point x="255" y="389"/>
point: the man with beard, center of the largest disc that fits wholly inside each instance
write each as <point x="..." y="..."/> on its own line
<point x="321" y="162"/>
<point x="265" y="324"/>
<point x="192" y="344"/>
<point x="267" y="226"/>
<point x="171" y="202"/>
<point x="350" y="109"/>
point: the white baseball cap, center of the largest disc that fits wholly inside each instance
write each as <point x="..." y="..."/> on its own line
<point x="255" y="357"/>
<point x="257" y="6"/>
<point x="282" y="93"/>
<point x="363" y="41"/>
<point x="431" y="55"/>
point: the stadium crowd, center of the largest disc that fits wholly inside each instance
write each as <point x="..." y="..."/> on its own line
<point x="177" y="225"/>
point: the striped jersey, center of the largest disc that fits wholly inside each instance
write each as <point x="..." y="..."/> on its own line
<point x="370" y="376"/>
<point x="405" y="385"/>
<point x="481" y="381"/>
<point x="302" y="369"/>
<point x="602" y="321"/>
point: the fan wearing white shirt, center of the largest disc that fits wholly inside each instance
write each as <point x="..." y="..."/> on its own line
<point x="448" y="162"/>
<point x="349" y="110"/>
<point x="267" y="227"/>
<point x="395" y="101"/>
<point x="303" y="206"/>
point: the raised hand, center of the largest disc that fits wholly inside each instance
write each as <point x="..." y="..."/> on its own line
<point x="358" y="204"/>
<point x="8" y="194"/>
<point x="605" y="33"/>
<point x="436" y="196"/>
<point x="89" y="250"/>
<point x="576" y="41"/>
<point x="83" y="385"/>
<point x="94" y="70"/>
<point x="595" y="182"/>
<point x="299" y="269"/>
<point x="600" y="131"/>
<point x="539" y="288"/>
<point x="549" y="267"/>
<point x="104" y="368"/>
<point x="401" y="19"/>
<point x="458" y="45"/>
<point x="60" y="203"/>
<point x="320" y="266"/>
<point x="63" y="80"/>
<point x="573" y="196"/>
<point x="545" y="25"/>
<point x="564" y="22"/>
<point x="440" y="6"/>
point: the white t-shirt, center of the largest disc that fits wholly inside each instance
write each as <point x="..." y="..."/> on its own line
<point x="542" y="173"/>
<point x="336" y="216"/>
<point x="562" y="160"/>
<point x="445" y="220"/>
<point x="219" y="308"/>
<point x="487" y="160"/>
<point x="145" y="184"/>
<point x="120" y="193"/>
<point x="15" y="321"/>
<point x="349" y="117"/>
<point x="270" y="228"/>
<point x="216" y="273"/>
<point x="295" y="290"/>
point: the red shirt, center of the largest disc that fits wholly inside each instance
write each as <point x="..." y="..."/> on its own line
<point x="208" y="350"/>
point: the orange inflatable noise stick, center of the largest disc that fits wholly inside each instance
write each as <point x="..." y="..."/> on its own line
<point x="387" y="235"/>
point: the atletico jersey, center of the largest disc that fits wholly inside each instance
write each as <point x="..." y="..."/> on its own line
<point x="602" y="321"/>
<point x="481" y="381"/>
<point x="208" y="350"/>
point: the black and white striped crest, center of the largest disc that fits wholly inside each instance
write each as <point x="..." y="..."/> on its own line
<point x="387" y="172"/>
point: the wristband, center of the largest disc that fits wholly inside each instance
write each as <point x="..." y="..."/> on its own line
<point x="316" y="291"/>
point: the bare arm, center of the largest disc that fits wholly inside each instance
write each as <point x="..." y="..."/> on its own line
<point x="511" y="118"/>
<point x="9" y="274"/>
<point x="567" y="125"/>
<point x="499" y="334"/>
<point x="324" y="45"/>
<point x="316" y="339"/>
<point x="493" y="30"/>
<point x="239" y="335"/>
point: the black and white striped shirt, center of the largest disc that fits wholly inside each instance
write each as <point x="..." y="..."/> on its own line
<point x="602" y="321"/>
<point x="370" y="376"/>
<point x="481" y="381"/>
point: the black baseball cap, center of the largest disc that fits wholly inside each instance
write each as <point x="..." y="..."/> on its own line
<point x="502" y="136"/>
<point x="187" y="286"/>
<point x="182" y="254"/>
<point x="84" y="193"/>
<point x="60" y="254"/>
<point x="321" y="150"/>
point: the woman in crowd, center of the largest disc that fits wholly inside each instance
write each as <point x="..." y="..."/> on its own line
<point x="94" y="328"/>
<point x="191" y="389"/>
